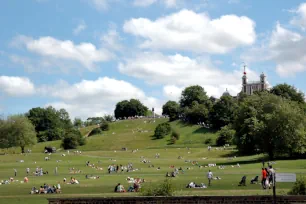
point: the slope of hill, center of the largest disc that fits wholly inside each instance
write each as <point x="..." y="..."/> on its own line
<point x="136" y="134"/>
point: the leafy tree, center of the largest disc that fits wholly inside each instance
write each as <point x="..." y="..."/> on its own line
<point x="94" y="121"/>
<point x="288" y="92"/>
<point x="162" y="130"/>
<point x="223" y="112"/>
<point x="270" y="124"/>
<point x="78" y="122"/>
<point x="73" y="139"/>
<point x="171" y="108"/>
<point x="95" y="131"/>
<point x="108" y="118"/>
<point x="21" y="132"/>
<point x="225" y="135"/>
<point x="104" y="126"/>
<point x="196" y="113"/>
<point x="192" y="94"/>
<point x="299" y="187"/>
<point x="5" y="128"/>
<point x="130" y="109"/>
<point x="49" y="123"/>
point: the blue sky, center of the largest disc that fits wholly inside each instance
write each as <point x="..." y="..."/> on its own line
<point x="86" y="55"/>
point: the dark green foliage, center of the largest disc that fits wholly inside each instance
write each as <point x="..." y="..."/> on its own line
<point x="108" y="118"/>
<point x="164" y="189"/>
<point x="223" y="112"/>
<point x="73" y="139"/>
<point x="130" y="109"/>
<point x="162" y="130"/>
<point x="94" y="121"/>
<point x="196" y="113"/>
<point x="208" y="141"/>
<point x="288" y="92"/>
<point x="175" y="135"/>
<point x="104" y="126"/>
<point x="195" y="105"/>
<point x="95" y="131"/>
<point x="299" y="187"/>
<point x="225" y="135"/>
<point x="192" y="94"/>
<point x="270" y="124"/>
<point x="49" y="123"/>
<point x="77" y="122"/>
<point x="171" y="109"/>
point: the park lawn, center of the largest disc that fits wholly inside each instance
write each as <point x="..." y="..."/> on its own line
<point x="106" y="149"/>
<point x="230" y="176"/>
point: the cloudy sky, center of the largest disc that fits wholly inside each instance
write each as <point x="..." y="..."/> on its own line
<point x="86" y="55"/>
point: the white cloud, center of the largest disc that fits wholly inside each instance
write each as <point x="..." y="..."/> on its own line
<point x="84" y="53"/>
<point x="82" y="26"/>
<point x="172" y="92"/>
<point x="143" y="3"/>
<point x="96" y="97"/>
<point x="112" y="40"/>
<point x="170" y="3"/>
<point x="190" y="31"/>
<point x="177" y="71"/>
<point x="99" y="4"/>
<point x="16" y="86"/>
<point x="285" y="48"/>
<point x="300" y="19"/>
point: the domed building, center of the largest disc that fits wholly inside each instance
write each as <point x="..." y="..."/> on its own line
<point x="226" y="93"/>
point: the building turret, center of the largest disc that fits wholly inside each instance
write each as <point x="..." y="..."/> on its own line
<point x="244" y="81"/>
<point x="263" y="81"/>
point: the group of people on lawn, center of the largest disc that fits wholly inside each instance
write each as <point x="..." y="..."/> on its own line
<point x="267" y="177"/>
<point x="46" y="189"/>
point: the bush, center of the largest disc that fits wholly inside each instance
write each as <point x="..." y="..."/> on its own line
<point x="175" y="135"/>
<point x="162" y="130"/>
<point x="299" y="187"/>
<point x="226" y="135"/>
<point x="164" y="189"/>
<point x="104" y="126"/>
<point x="95" y="131"/>
<point x="73" y="139"/>
<point x="208" y="141"/>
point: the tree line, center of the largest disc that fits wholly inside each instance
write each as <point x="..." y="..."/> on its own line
<point x="271" y="122"/>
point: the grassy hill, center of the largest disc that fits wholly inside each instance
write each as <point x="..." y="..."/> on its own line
<point x="136" y="134"/>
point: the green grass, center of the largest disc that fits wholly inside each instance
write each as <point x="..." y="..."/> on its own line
<point x="106" y="149"/>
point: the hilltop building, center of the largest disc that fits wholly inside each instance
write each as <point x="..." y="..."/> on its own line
<point x="249" y="87"/>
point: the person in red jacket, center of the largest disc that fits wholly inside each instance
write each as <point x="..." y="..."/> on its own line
<point x="263" y="178"/>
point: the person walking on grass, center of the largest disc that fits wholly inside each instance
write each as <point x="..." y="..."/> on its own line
<point x="209" y="177"/>
<point x="263" y="178"/>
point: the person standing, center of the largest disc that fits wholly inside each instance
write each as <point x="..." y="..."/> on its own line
<point x="28" y="171"/>
<point x="271" y="174"/>
<point x="15" y="171"/>
<point x="209" y="177"/>
<point x="55" y="170"/>
<point x="263" y="178"/>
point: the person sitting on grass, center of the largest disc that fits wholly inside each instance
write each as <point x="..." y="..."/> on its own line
<point x="41" y="190"/>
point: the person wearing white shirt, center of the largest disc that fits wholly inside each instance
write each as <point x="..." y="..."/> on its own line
<point x="210" y="177"/>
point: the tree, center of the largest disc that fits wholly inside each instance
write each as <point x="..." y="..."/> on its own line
<point x="130" y="109"/>
<point x="162" y="130"/>
<point x="21" y="132"/>
<point x="108" y="118"/>
<point x="104" y="126"/>
<point x="191" y="94"/>
<point x="196" y="113"/>
<point x="171" y="108"/>
<point x="270" y="124"/>
<point x="49" y="123"/>
<point x="73" y="139"/>
<point x="288" y="92"/>
<point x="225" y="135"/>
<point x="223" y="112"/>
<point x="78" y="122"/>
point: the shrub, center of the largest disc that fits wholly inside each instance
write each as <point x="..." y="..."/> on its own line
<point x="95" y="131"/>
<point x="226" y="135"/>
<point x="164" y="189"/>
<point x="299" y="187"/>
<point x="175" y="135"/>
<point x="104" y="126"/>
<point x="162" y="130"/>
<point x="73" y="139"/>
<point x="208" y="141"/>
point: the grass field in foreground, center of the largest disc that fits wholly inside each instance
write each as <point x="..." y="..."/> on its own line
<point x="137" y="134"/>
<point x="230" y="176"/>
